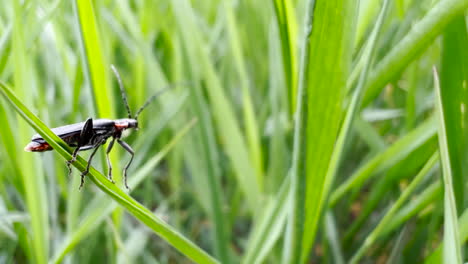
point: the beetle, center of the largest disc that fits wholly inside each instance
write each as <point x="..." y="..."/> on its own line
<point x="91" y="134"/>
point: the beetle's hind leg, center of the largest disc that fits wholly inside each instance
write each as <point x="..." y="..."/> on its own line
<point x="129" y="150"/>
<point x="109" y="165"/>
<point x="83" y="174"/>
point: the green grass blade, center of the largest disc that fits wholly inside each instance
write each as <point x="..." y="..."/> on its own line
<point x="268" y="230"/>
<point x="34" y="186"/>
<point x="333" y="238"/>
<point x="354" y="106"/>
<point x="377" y="232"/>
<point x="436" y="256"/>
<point x="298" y="168"/>
<point x="96" y="67"/>
<point x="286" y="21"/>
<point x="424" y="134"/>
<point x="160" y="227"/>
<point x="250" y="121"/>
<point x="412" y="45"/>
<point x="452" y="250"/>
<point x="429" y="196"/>
<point x="323" y="75"/>
<point x="454" y="96"/>
<point x="227" y="126"/>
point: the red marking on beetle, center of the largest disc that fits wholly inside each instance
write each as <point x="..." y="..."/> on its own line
<point x="121" y="126"/>
<point x="37" y="147"/>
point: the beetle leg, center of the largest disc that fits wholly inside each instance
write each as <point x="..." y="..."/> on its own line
<point x="69" y="162"/>
<point x="83" y="174"/>
<point x="109" y="165"/>
<point x="129" y="150"/>
<point x="85" y="136"/>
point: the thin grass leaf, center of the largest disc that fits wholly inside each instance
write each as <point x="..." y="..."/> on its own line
<point x="428" y="197"/>
<point x="250" y="121"/>
<point x="354" y="106"/>
<point x="412" y="45"/>
<point x="287" y="25"/>
<point x="160" y="227"/>
<point x="436" y="256"/>
<point x="333" y="238"/>
<point x="268" y="230"/>
<point x="295" y="230"/>
<point x="452" y="250"/>
<point x="420" y="136"/>
<point x="377" y="232"/>
<point x="225" y="121"/>
<point x="34" y="187"/>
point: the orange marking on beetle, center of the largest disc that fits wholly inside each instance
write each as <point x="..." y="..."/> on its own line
<point x="121" y="125"/>
<point x="37" y="147"/>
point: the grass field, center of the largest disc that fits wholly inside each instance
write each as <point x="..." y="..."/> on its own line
<point x="293" y="131"/>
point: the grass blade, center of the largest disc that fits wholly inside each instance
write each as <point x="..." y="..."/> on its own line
<point x="454" y="96"/>
<point x="33" y="183"/>
<point x="377" y="232"/>
<point x="424" y="134"/>
<point x="452" y="250"/>
<point x="286" y="21"/>
<point x="323" y="77"/>
<point x="354" y="105"/>
<point x="96" y="67"/>
<point x="412" y="45"/>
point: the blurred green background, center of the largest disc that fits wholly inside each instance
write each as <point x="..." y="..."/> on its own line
<point x="294" y="131"/>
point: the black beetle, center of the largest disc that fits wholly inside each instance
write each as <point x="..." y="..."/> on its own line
<point x="92" y="134"/>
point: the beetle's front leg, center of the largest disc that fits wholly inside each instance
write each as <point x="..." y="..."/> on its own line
<point x="73" y="159"/>
<point x="85" y="136"/>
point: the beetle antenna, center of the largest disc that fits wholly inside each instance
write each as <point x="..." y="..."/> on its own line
<point x="158" y="93"/>
<point x="150" y="100"/>
<point x="122" y="91"/>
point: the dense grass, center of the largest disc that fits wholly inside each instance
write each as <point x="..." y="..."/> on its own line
<point x="293" y="132"/>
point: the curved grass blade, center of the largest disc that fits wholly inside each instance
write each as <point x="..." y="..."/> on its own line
<point x="100" y="208"/>
<point x="160" y="227"/>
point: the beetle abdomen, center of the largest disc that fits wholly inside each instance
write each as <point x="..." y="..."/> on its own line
<point x="35" y="146"/>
